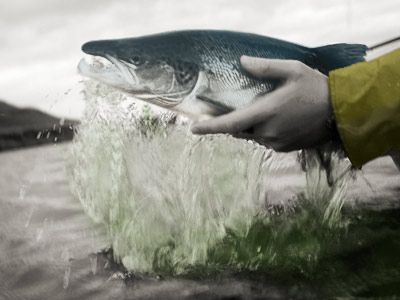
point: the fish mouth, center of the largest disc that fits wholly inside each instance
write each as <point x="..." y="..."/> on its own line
<point x="123" y="76"/>
<point x="111" y="71"/>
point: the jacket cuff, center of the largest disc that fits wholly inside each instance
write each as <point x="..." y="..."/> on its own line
<point x="366" y="103"/>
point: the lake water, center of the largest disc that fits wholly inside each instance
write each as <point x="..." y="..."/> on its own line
<point x="49" y="245"/>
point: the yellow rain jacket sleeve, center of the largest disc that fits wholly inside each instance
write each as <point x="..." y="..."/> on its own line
<point x="366" y="103"/>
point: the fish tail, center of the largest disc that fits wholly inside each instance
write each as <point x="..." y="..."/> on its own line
<point x="336" y="56"/>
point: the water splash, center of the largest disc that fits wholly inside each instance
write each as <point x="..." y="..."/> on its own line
<point x="176" y="203"/>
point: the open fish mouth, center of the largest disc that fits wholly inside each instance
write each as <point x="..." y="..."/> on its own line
<point x="111" y="71"/>
<point x="123" y="76"/>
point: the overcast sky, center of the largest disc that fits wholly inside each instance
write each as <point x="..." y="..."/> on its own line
<point x="41" y="39"/>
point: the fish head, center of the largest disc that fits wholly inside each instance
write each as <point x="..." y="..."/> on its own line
<point x="141" y="67"/>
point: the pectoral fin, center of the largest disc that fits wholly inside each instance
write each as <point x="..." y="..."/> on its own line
<point x="205" y="99"/>
<point x="217" y="106"/>
<point x="227" y="100"/>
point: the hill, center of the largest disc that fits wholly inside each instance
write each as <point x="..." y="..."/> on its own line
<point x="24" y="127"/>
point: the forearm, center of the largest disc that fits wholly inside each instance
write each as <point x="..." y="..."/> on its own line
<point x="366" y="103"/>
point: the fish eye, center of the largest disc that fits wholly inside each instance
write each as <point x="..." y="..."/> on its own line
<point x="136" y="60"/>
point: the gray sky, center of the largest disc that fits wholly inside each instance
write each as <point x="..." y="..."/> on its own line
<point x="41" y="39"/>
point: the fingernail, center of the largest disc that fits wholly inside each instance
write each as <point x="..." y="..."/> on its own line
<point x="248" y="61"/>
<point x="244" y="58"/>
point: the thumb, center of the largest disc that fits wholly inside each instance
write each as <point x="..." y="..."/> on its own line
<point x="268" y="68"/>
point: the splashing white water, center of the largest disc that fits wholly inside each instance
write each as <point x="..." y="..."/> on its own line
<point x="163" y="192"/>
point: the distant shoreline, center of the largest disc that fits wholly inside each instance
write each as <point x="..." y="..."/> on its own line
<point x="26" y="127"/>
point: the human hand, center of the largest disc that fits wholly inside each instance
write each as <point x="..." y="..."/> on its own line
<point x="293" y="116"/>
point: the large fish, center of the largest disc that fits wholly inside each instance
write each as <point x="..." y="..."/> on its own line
<point x="198" y="72"/>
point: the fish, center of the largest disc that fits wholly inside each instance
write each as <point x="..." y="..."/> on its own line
<point x="198" y="72"/>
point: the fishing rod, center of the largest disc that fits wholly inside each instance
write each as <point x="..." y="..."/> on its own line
<point x="384" y="43"/>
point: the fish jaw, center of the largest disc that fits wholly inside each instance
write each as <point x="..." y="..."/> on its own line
<point x="108" y="73"/>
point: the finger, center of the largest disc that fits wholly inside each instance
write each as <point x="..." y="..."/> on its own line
<point x="269" y="68"/>
<point x="242" y="119"/>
